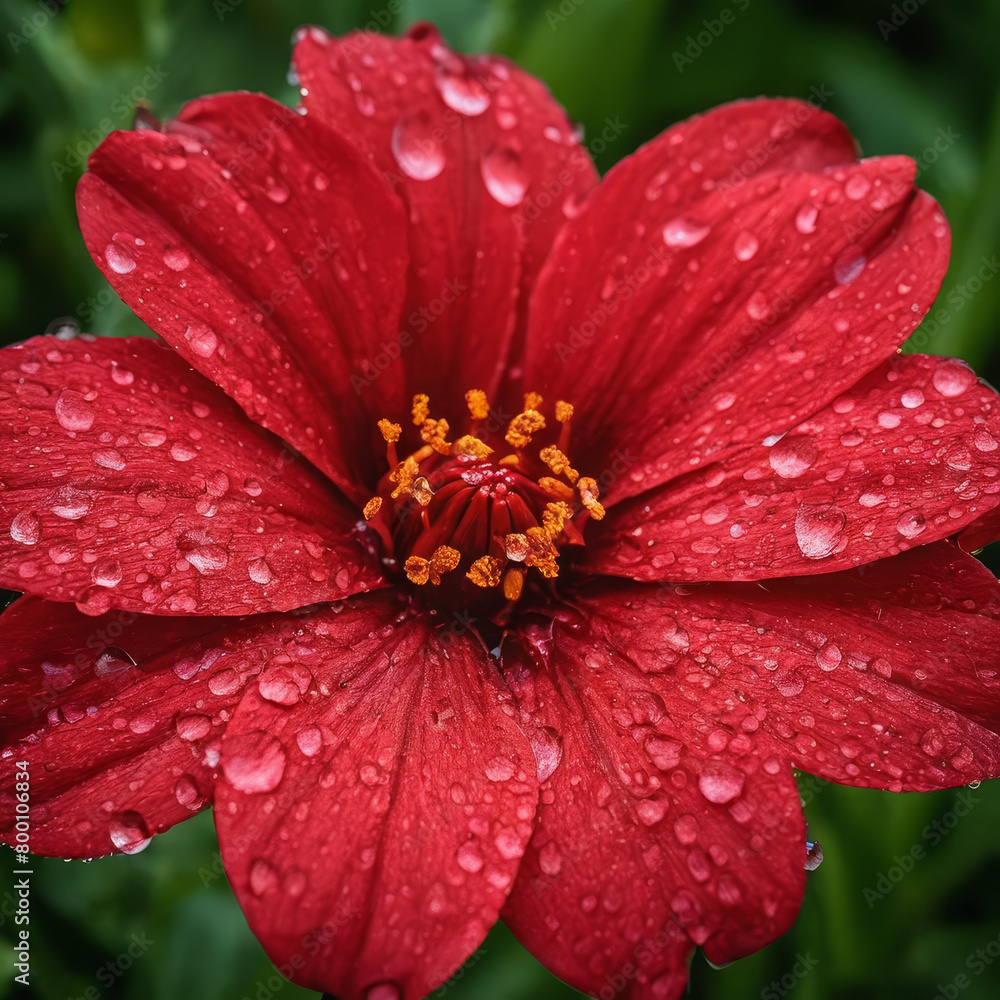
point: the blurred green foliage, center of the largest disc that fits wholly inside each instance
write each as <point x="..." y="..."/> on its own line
<point x="903" y="75"/>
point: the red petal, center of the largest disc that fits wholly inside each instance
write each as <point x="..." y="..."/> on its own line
<point x="906" y="457"/>
<point x="119" y="717"/>
<point x="726" y="313"/>
<point x="882" y="676"/>
<point x="644" y="846"/>
<point x="485" y="161"/>
<point x="132" y="482"/>
<point x="271" y="255"/>
<point x="379" y="806"/>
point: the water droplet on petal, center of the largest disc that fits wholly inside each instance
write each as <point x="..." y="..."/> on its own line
<point x="745" y="246"/>
<point x="911" y="524"/>
<point x="129" y="832"/>
<point x="254" y="764"/>
<point x="504" y="176"/>
<point x="720" y="784"/>
<point x="814" y="855"/>
<point x="792" y="455"/>
<point x="263" y="877"/>
<point x="202" y="339"/>
<point x="805" y="219"/>
<point x="818" y="530"/>
<point x="461" y="90"/>
<point x="73" y="412"/>
<point x="849" y="267"/>
<point x="26" y="528"/>
<point x="176" y="260"/>
<point x="952" y="379"/>
<point x="416" y="151"/>
<point x="119" y="259"/>
<point x="469" y="857"/>
<point x="107" y="573"/>
<point x="684" y="233"/>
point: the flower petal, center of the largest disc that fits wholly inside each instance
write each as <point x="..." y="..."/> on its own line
<point x="726" y="312"/>
<point x="119" y="718"/>
<point x="906" y="457"/>
<point x="132" y="482"/>
<point x="644" y="845"/>
<point x="484" y="159"/>
<point x="375" y="799"/>
<point x="270" y="253"/>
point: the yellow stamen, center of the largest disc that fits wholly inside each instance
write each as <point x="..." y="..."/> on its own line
<point x="470" y="445"/>
<point x="479" y="405"/>
<point x="421" y="408"/>
<point x="558" y="463"/>
<point x="421" y="571"/>
<point x="372" y="507"/>
<point x="555" y="488"/>
<point x="516" y="546"/>
<point x="509" y="460"/>
<point x="564" y="411"/>
<point x="404" y="474"/>
<point x="485" y="572"/>
<point x="435" y="433"/>
<point x="390" y="431"/>
<point x="513" y="583"/>
<point x="532" y="401"/>
<point x="588" y="497"/>
<point x="543" y="553"/>
<point x="522" y="427"/>
<point x="555" y="515"/>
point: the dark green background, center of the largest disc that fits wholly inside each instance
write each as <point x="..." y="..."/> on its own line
<point x="935" y="74"/>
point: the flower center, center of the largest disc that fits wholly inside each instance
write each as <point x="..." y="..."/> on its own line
<point x="469" y="519"/>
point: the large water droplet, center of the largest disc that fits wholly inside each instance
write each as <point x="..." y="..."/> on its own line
<point x="417" y="152"/>
<point x="107" y="573"/>
<point x="461" y="90"/>
<point x="504" y="176"/>
<point x="721" y="784"/>
<point x="469" y="857"/>
<point x="202" y="339"/>
<point x="791" y="456"/>
<point x="256" y="765"/>
<point x="26" y="528"/>
<point x="129" y="832"/>
<point x="818" y="530"/>
<point x="73" y="412"/>
<point x="952" y="379"/>
<point x="119" y="259"/>
<point x="684" y="233"/>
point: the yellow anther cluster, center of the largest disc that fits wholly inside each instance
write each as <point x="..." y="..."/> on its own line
<point x="403" y="475"/>
<point x="443" y="560"/>
<point x="485" y="572"/>
<point x="556" y="488"/>
<point x="558" y="463"/>
<point x="522" y="427"/>
<point x="421" y="408"/>
<point x="390" y="431"/>
<point x="588" y="497"/>
<point x="564" y="411"/>
<point x="372" y="507"/>
<point x="470" y="445"/>
<point x="435" y="433"/>
<point x="479" y="405"/>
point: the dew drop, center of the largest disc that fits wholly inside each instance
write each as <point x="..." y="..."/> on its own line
<point x="416" y="151"/>
<point x="745" y="246"/>
<point x="257" y="768"/>
<point x="176" y="260"/>
<point x="684" y="233"/>
<point x="202" y="339"/>
<point x="119" y="259"/>
<point x="791" y="456"/>
<point x="107" y="573"/>
<point x="805" y="219"/>
<point x="952" y="379"/>
<point x="819" y="530"/>
<point x="911" y="524"/>
<point x="26" y="528"/>
<point x="469" y="857"/>
<point x="461" y="91"/>
<point x="129" y="832"/>
<point x="73" y="412"/>
<point x="721" y="785"/>
<point x="504" y="176"/>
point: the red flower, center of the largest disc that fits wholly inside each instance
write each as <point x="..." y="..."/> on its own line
<point x="529" y="714"/>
